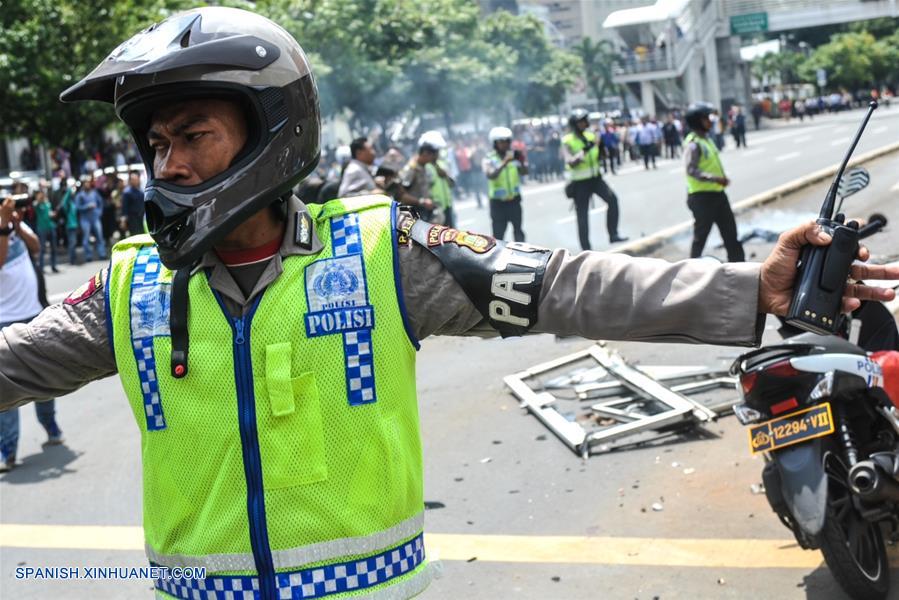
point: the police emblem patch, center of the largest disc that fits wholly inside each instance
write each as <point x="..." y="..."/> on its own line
<point x="404" y="223"/>
<point x="85" y="290"/>
<point x="440" y="234"/>
<point x="336" y="296"/>
<point x="150" y="305"/>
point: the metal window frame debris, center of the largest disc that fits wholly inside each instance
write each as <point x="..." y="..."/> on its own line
<point x="631" y="388"/>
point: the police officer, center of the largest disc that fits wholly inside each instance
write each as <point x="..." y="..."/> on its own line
<point x="414" y="176"/>
<point x="503" y="169"/>
<point x="582" y="163"/>
<point x="244" y="329"/>
<point x="705" y="186"/>
<point x="441" y="183"/>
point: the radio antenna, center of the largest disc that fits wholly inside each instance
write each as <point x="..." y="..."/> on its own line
<point x="830" y="199"/>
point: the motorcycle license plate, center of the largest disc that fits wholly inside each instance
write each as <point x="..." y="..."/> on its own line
<point x="807" y="424"/>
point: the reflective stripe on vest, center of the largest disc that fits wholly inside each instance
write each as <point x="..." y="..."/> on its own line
<point x="587" y="168"/>
<point x="709" y="162"/>
<point x="334" y="462"/>
<point x="149" y="318"/>
<point x="283" y="559"/>
<point x="440" y="189"/>
<point x="317" y="582"/>
<point x="506" y="185"/>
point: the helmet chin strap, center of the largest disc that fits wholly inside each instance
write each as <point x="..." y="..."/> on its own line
<point x="178" y="321"/>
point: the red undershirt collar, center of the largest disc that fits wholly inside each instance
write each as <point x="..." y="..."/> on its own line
<point x="248" y="256"/>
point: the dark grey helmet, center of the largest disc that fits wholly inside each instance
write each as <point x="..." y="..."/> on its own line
<point x="214" y="52"/>
<point x="695" y="114"/>
<point x="578" y="114"/>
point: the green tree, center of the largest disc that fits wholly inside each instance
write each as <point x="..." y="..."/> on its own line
<point x="48" y="45"/>
<point x="539" y="73"/>
<point x="786" y="66"/>
<point x="853" y="60"/>
<point x="598" y="60"/>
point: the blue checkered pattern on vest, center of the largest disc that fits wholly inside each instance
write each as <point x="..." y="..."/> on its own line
<point x="346" y="239"/>
<point x="317" y="582"/>
<point x="143" y="287"/>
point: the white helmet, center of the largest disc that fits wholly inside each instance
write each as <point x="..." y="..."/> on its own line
<point x="433" y="139"/>
<point x="499" y="133"/>
<point x="343" y="154"/>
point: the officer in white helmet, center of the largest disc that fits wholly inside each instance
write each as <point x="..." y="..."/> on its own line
<point x="503" y="169"/>
<point x="414" y="176"/>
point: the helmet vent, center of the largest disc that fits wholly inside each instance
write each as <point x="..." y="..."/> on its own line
<point x="273" y="106"/>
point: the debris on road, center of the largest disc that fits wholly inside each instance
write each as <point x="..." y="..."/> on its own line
<point x="757" y="488"/>
<point x="658" y="506"/>
<point x="594" y="397"/>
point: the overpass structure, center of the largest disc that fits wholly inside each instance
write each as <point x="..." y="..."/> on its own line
<point x="675" y="52"/>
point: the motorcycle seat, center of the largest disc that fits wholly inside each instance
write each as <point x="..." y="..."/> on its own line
<point x="826" y="344"/>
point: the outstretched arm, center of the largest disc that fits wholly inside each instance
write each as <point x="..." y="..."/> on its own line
<point x="63" y="348"/>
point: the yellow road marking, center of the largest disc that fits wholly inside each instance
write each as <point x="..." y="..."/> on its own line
<point x="662" y="552"/>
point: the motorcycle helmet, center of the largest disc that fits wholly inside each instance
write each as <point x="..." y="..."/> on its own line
<point x="214" y="52"/>
<point x="578" y="114"/>
<point x="499" y="133"/>
<point x="432" y="140"/>
<point x="696" y="113"/>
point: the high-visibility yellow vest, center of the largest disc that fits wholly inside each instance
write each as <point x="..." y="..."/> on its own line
<point x="506" y="185"/>
<point x="709" y="162"/>
<point x="288" y="459"/>
<point x="441" y="193"/>
<point x="589" y="167"/>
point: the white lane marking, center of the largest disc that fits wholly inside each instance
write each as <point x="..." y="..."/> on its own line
<point x="895" y="187"/>
<point x="572" y="218"/>
<point x="838" y="143"/>
<point x="880" y="129"/>
<point x="787" y="156"/>
<point x="467" y="222"/>
<point x="751" y="152"/>
<point x="801" y="139"/>
<point x="676" y="171"/>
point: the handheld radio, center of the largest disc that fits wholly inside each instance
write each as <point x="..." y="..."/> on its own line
<point x="822" y="271"/>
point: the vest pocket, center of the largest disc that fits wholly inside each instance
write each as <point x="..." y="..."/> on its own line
<point x="291" y="441"/>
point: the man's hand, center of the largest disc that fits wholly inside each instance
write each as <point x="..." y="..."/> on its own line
<point x="778" y="273"/>
<point x="723" y="181"/>
<point x="426" y="203"/>
<point x="7" y="209"/>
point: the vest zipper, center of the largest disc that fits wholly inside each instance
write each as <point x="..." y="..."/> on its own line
<point x="249" y="441"/>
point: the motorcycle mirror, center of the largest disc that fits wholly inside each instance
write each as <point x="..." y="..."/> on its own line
<point x="852" y="182"/>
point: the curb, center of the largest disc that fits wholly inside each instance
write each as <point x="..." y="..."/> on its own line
<point x="652" y="242"/>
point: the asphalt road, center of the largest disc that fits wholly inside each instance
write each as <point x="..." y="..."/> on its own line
<point x="514" y="513"/>
<point x="652" y="200"/>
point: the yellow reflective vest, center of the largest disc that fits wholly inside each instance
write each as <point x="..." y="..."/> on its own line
<point x="288" y="459"/>
<point x="507" y="184"/>
<point x="709" y="162"/>
<point x="590" y="166"/>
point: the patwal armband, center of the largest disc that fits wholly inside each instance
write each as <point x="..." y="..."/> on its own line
<point x="503" y="280"/>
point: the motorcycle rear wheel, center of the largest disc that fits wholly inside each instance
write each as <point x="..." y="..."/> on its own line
<point x="853" y="547"/>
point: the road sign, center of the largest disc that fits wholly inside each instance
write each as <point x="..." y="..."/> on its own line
<point x="822" y="77"/>
<point x="749" y="23"/>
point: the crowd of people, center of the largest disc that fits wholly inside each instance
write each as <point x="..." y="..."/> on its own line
<point x="90" y="203"/>
<point x="90" y="213"/>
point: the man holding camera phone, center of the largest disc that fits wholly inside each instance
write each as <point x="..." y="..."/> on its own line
<point x="581" y="151"/>
<point x="503" y="169"/>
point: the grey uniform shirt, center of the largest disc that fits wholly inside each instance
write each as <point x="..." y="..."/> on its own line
<point x="356" y="180"/>
<point x="592" y="294"/>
